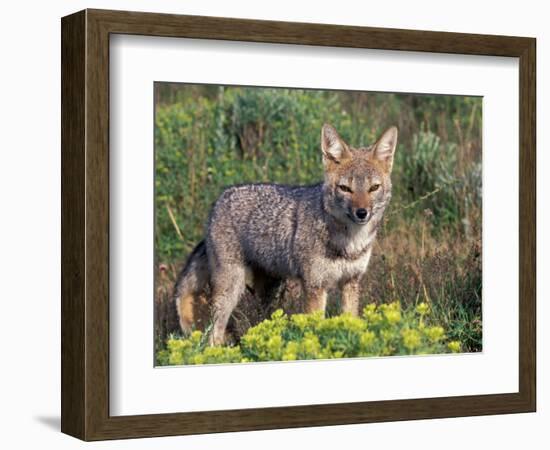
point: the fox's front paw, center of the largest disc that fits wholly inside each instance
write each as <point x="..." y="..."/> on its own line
<point x="216" y="338"/>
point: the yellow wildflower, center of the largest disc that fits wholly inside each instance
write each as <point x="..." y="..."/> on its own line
<point x="411" y="339"/>
<point x="422" y="308"/>
<point x="367" y="338"/>
<point x="434" y="334"/>
<point x="454" y="346"/>
<point x="196" y="336"/>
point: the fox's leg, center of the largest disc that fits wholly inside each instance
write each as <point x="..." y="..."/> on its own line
<point x="316" y="299"/>
<point x="228" y="284"/>
<point x="350" y="296"/>
<point x="226" y="262"/>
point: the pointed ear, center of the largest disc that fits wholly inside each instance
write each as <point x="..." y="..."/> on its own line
<point x="333" y="146"/>
<point x="384" y="148"/>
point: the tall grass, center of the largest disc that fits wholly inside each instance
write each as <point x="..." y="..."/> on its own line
<point x="429" y="248"/>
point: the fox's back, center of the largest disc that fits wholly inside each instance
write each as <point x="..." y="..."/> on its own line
<point x="263" y="222"/>
<point x="264" y="203"/>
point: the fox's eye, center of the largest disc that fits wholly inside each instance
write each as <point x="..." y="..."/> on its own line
<point x="344" y="188"/>
<point x="374" y="187"/>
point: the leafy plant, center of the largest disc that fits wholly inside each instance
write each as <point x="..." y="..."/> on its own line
<point x="383" y="330"/>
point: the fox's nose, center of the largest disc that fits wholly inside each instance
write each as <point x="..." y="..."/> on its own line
<point x="361" y="213"/>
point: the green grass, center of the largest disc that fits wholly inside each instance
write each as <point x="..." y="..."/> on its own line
<point x="429" y="248"/>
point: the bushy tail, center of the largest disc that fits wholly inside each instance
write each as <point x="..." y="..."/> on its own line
<point x="190" y="285"/>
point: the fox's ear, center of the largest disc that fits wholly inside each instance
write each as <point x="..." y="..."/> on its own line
<point x="384" y="148"/>
<point x="333" y="146"/>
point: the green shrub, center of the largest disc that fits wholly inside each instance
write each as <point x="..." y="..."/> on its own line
<point x="383" y="330"/>
<point x="430" y="173"/>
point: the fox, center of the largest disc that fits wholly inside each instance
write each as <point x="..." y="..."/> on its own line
<point x="320" y="235"/>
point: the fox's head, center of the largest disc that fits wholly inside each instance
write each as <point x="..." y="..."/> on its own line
<point x="357" y="180"/>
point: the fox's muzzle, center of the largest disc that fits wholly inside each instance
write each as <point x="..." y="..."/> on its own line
<point x="359" y="216"/>
<point x="361" y="213"/>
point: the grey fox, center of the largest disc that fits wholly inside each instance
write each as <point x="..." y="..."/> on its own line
<point x="321" y="235"/>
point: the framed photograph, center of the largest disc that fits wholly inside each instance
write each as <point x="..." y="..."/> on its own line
<point x="273" y="225"/>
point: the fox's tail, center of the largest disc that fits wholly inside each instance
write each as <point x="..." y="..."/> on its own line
<point x="191" y="283"/>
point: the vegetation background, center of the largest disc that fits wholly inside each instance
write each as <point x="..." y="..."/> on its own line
<point x="429" y="247"/>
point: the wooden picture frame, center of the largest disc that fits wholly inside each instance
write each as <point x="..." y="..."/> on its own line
<point x="85" y="224"/>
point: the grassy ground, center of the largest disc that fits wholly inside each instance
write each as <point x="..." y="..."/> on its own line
<point x="429" y="248"/>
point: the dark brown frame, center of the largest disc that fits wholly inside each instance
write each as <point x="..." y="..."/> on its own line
<point x="85" y="224"/>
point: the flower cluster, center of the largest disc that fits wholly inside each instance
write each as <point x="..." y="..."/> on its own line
<point x="383" y="330"/>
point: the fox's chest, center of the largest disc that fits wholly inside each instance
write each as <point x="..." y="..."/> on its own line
<point x="329" y="271"/>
